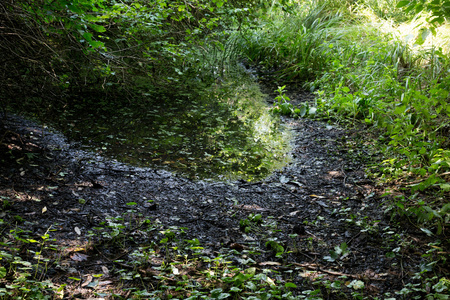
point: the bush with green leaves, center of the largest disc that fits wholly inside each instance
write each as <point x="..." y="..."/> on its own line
<point x="64" y="53"/>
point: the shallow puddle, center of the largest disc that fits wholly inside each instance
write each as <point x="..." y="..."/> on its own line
<point x="229" y="135"/>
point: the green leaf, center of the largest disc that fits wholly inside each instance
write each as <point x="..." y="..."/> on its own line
<point x="97" y="28"/>
<point x="445" y="209"/>
<point x="290" y="285"/>
<point x="423" y="34"/>
<point x="403" y="3"/>
<point x="418" y="8"/>
<point x="400" y="109"/>
<point x="87" y="36"/>
<point x="96" y="44"/>
<point x="76" y="9"/>
<point x="409" y="8"/>
<point x="74" y="278"/>
<point x="2" y="272"/>
<point x="303" y="110"/>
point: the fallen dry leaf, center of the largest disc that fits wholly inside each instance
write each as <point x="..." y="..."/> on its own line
<point x="237" y="246"/>
<point x="87" y="281"/>
<point x="79" y="257"/>
<point x="105" y="271"/>
<point x="269" y="263"/>
<point x="106" y="282"/>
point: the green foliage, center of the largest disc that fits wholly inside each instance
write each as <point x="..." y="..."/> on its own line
<point x="387" y="10"/>
<point x="295" y="45"/>
<point x="364" y="73"/>
<point x="102" y="51"/>
<point x="283" y="106"/>
<point x="439" y="9"/>
<point x="340" y="252"/>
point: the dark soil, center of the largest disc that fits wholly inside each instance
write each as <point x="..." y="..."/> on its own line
<point x="323" y="196"/>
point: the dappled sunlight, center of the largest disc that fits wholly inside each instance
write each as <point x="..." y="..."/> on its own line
<point x="410" y="32"/>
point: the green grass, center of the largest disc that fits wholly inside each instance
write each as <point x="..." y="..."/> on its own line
<point x="371" y="64"/>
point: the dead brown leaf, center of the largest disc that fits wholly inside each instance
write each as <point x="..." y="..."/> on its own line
<point x="79" y="257"/>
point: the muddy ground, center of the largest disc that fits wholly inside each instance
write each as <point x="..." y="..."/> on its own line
<point x="324" y="197"/>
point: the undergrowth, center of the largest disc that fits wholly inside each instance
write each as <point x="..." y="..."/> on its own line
<point x="364" y="69"/>
<point x="371" y="64"/>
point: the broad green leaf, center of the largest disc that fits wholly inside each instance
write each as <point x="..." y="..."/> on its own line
<point x="303" y="110"/>
<point x="76" y="9"/>
<point x="418" y="8"/>
<point x="422" y="36"/>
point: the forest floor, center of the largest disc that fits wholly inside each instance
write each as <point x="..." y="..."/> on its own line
<point x="323" y="210"/>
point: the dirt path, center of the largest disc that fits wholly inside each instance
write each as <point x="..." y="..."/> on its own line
<point x="319" y="202"/>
